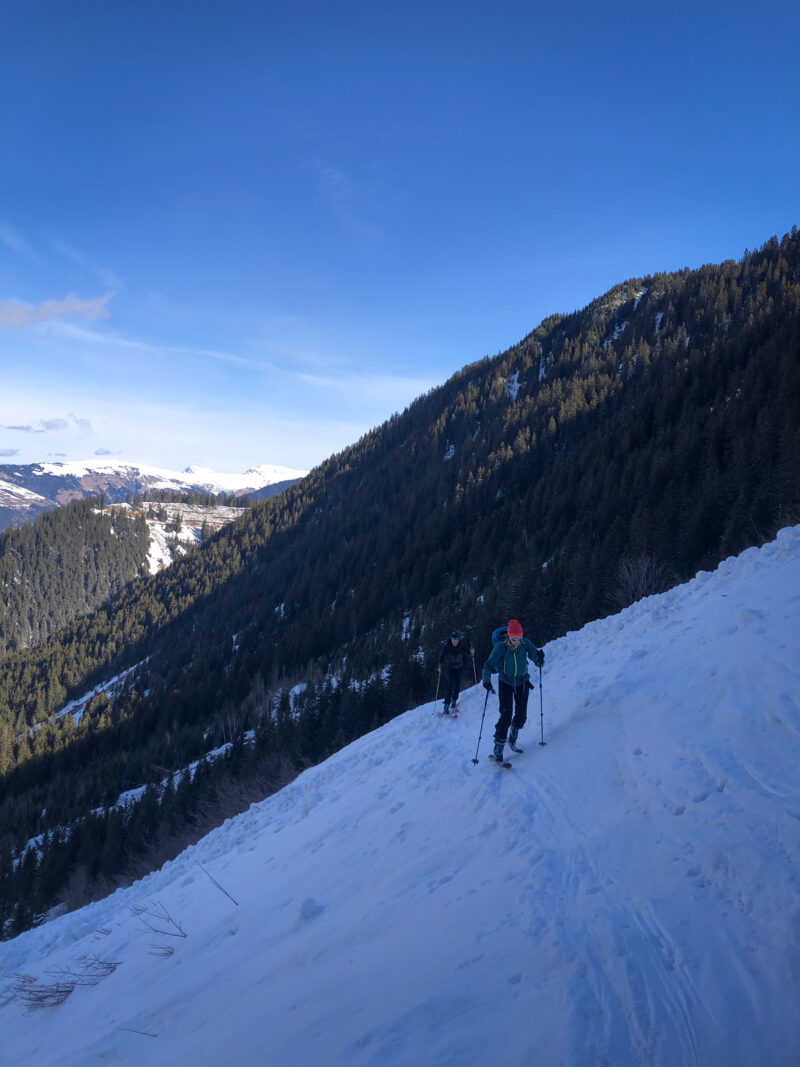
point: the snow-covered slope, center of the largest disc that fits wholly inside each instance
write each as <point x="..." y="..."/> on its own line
<point x="18" y="504"/>
<point x="628" y="894"/>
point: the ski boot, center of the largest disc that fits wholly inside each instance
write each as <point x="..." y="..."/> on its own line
<point x="513" y="733"/>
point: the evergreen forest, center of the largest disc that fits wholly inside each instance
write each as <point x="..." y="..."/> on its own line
<point x="612" y="453"/>
<point x="63" y="565"/>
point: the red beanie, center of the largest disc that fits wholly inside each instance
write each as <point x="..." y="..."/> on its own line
<point x="514" y="628"/>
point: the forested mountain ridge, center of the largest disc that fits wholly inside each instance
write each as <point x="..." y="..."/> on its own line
<point x="611" y="453"/>
<point x="71" y="559"/>
<point x="63" y="565"/>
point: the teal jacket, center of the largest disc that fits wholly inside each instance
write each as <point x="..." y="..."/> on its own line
<point x="509" y="662"/>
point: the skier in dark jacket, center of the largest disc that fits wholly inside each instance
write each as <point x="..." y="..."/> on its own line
<point x="454" y="658"/>
<point x="509" y="660"/>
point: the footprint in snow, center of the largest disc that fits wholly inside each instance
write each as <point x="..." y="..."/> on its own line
<point x="469" y="963"/>
<point x="310" y="909"/>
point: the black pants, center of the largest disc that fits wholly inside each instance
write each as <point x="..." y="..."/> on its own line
<point x="511" y="700"/>
<point x="452" y="684"/>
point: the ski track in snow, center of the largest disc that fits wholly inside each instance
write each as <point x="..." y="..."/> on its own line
<point x="627" y="895"/>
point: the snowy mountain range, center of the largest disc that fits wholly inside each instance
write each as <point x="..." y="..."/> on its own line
<point x="627" y="894"/>
<point x="27" y="490"/>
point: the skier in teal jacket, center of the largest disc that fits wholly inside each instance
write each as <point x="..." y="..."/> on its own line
<point x="509" y="660"/>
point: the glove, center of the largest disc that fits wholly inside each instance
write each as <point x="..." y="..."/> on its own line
<point x="488" y="687"/>
<point x="530" y="684"/>
<point x="538" y="659"/>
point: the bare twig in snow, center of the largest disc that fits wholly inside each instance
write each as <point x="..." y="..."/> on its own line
<point x="161" y="916"/>
<point x="165" y="951"/>
<point x="131" y="1030"/>
<point x="92" y="970"/>
<point x="35" y="995"/>
<point x="216" y="883"/>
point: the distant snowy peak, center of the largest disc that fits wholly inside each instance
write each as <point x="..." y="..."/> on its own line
<point x="26" y="490"/>
<point x="192" y="478"/>
<point x="253" y="478"/>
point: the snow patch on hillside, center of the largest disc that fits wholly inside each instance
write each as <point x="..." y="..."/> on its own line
<point x="173" y="528"/>
<point x="512" y="385"/>
<point x="77" y="707"/>
<point x="619" y="328"/>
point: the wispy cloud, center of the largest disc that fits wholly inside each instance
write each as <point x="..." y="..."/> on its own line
<point x="108" y="277"/>
<point x="347" y="198"/>
<point x="366" y="386"/>
<point x="51" y="425"/>
<point x="107" y="452"/>
<point x="14" y="240"/>
<point x="18" y="314"/>
<point x="84" y="425"/>
<point x="44" y="426"/>
<point x="80" y="333"/>
<point x="9" y="451"/>
<point x="298" y="354"/>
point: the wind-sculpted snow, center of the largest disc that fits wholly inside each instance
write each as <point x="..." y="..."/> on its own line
<point x="628" y="894"/>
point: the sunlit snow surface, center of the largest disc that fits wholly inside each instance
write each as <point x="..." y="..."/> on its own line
<point x="628" y="894"/>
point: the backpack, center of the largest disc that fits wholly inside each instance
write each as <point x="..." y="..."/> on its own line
<point x="499" y="634"/>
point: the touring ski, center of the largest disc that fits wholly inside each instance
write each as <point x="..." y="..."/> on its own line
<point x="501" y="763"/>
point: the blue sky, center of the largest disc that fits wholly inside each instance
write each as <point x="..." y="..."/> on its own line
<point x="235" y="233"/>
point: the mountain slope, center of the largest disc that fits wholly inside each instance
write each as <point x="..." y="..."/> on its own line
<point x="627" y="894"/>
<point x="612" y="453"/>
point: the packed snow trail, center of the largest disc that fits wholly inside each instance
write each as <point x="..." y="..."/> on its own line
<point x="627" y="896"/>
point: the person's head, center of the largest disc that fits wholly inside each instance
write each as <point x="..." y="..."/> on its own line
<point x="455" y="637"/>
<point x="514" y="632"/>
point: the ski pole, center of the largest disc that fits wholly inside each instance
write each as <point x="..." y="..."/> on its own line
<point x="486" y="701"/>
<point x="542" y="743"/>
<point x="438" y="680"/>
<point x="474" y="675"/>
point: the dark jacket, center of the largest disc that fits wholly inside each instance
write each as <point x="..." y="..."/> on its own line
<point x="454" y="656"/>
<point x="509" y="662"/>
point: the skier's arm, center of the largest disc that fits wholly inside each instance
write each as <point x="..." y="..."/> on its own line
<point x="534" y="653"/>
<point x="493" y="662"/>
